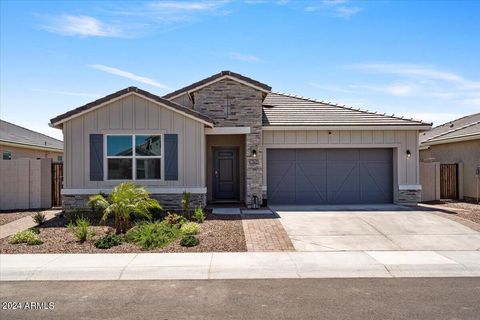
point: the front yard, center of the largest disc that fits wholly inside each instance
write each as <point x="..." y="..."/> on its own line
<point x="128" y="221"/>
<point x="217" y="234"/>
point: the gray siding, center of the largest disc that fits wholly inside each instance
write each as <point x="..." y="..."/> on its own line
<point x="133" y="114"/>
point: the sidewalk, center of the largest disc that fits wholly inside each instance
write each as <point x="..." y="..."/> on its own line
<point x="242" y="265"/>
<point x="24" y="224"/>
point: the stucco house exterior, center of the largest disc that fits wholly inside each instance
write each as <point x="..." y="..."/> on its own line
<point x="456" y="142"/>
<point x="17" y="142"/>
<point x="229" y="138"/>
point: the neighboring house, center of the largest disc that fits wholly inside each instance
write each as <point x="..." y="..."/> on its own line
<point x="456" y="142"/>
<point x="17" y="142"/>
<point x="229" y="138"/>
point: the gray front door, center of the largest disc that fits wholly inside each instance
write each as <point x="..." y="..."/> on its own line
<point x="225" y="174"/>
<point x="329" y="176"/>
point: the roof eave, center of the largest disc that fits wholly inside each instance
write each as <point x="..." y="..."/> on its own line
<point x="215" y="78"/>
<point x="122" y="94"/>
<point x="469" y="137"/>
<point x="419" y="127"/>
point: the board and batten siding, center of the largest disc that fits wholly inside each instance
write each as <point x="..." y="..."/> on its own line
<point x="133" y="115"/>
<point x="399" y="140"/>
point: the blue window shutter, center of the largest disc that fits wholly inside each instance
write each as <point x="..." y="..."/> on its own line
<point x="171" y="157"/>
<point x="96" y="157"/>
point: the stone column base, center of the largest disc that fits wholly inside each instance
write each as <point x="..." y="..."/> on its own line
<point x="409" y="196"/>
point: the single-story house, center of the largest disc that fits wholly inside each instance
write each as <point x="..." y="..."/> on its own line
<point x="455" y="143"/>
<point x="229" y="138"/>
<point x="17" y="142"/>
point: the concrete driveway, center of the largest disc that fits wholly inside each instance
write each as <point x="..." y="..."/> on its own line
<point x="381" y="227"/>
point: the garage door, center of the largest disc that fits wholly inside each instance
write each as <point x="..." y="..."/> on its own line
<point x="329" y="176"/>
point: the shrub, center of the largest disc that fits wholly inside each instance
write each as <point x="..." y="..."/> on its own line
<point x="39" y="218"/>
<point x="75" y="214"/>
<point x="35" y="230"/>
<point x="125" y="200"/>
<point x="26" y="236"/>
<point x="174" y="219"/>
<point x="186" y="202"/>
<point x="153" y="234"/>
<point x="189" y="241"/>
<point x="199" y="215"/>
<point x="108" y="241"/>
<point x="80" y="229"/>
<point x="190" y="228"/>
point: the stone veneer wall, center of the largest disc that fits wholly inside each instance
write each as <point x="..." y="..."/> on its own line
<point x="168" y="201"/>
<point x="409" y="196"/>
<point x="232" y="104"/>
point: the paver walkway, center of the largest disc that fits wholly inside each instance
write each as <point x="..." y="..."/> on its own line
<point x="24" y="224"/>
<point x="265" y="233"/>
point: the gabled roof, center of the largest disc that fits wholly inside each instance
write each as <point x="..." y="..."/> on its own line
<point x="12" y="133"/>
<point x="216" y="77"/>
<point x="285" y="110"/>
<point x="130" y="90"/>
<point x="465" y="128"/>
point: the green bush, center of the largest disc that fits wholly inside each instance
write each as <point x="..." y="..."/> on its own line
<point x="26" y="236"/>
<point x="199" y="215"/>
<point x="153" y="234"/>
<point x="174" y="219"/>
<point x="186" y="202"/>
<point x="125" y="201"/>
<point x="75" y="214"/>
<point x="80" y="229"/>
<point x="190" y="228"/>
<point x="108" y="241"/>
<point x="39" y="218"/>
<point x="189" y="241"/>
<point x="35" y="230"/>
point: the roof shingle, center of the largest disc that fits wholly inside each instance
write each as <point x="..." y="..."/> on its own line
<point x="10" y="132"/>
<point x="459" y="128"/>
<point x="215" y="77"/>
<point x="285" y="110"/>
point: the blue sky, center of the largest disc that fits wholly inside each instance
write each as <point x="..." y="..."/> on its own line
<point x="417" y="59"/>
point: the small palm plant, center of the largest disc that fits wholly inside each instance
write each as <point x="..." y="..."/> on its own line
<point x="124" y="200"/>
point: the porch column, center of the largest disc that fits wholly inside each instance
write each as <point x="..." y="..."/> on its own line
<point x="254" y="165"/>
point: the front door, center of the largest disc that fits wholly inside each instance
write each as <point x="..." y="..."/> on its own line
<point x="225" y="174"/>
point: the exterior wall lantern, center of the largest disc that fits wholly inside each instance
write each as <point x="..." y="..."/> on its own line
<point x="254" y="153"/>
<point x="409" y="154"/>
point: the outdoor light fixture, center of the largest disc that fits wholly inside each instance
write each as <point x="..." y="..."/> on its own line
<point x="409" y="154"/>
<point x="254" y="153"/>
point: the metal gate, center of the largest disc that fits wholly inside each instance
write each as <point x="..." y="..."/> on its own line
<point x="57" y="182"/>
<point x="449" y="181"/>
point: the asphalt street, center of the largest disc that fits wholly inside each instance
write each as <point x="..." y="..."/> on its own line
<point x="406" y="298"/>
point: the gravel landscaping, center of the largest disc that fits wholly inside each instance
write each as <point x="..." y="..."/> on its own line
<point x="458" y="210"/>
<point x="7" y="217"/>
<point x="218" y="234"/>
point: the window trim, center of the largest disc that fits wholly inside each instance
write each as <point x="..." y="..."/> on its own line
<point x="134" y="157"/>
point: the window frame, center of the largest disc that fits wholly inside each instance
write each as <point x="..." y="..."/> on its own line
<point x="134" y="157"/>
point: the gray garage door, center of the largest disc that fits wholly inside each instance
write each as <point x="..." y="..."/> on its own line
<point x="329" y="176"/>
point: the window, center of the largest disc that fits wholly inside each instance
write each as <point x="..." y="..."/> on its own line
<point x="7" y="155"/>
<point x="60" y="158"/>
<point x="134" y="157"/>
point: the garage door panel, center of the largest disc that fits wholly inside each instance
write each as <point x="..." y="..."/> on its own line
<point x="310" y="155"/>
<point x="346" y="155"/>
<point x="329" y="176"/>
